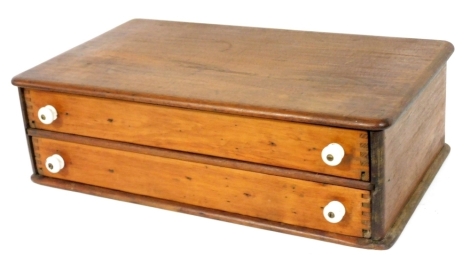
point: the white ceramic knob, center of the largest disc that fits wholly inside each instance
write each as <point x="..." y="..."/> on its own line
<point x="332" y="154"/>
<point x="334" y="212"/>
<point x="47" y="114"/>
<point x="55" y="163"/>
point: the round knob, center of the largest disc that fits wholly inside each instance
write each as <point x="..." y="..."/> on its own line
<point x="332" y="154"/>
<point x="334" y="212"/>
<point x="47" y="114"/>
<point x="55" y="163"/>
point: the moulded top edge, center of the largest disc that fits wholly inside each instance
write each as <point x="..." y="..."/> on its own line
<point x="350" y="81"/>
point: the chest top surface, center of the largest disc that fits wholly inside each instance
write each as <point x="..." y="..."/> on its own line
<point x="351" y="81"/>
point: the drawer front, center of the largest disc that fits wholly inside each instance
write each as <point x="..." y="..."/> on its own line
<point x="274" y="198"/>
<point x="271" y="142"/>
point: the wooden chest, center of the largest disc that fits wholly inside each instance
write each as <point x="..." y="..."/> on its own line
<point x="328" y="136"/>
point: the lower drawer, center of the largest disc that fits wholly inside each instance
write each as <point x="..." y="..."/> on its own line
<point x="275" y="198"/>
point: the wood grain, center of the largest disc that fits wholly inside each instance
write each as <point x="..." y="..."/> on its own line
<point x="368" y="243"/>
<point x="350" y="81"/>
<point x="274" y="198"/>
<point x="270" y="142"/>
<point x="197" y="158"/>
<point x="402" y="153"/>
<point x="23" y="98"/>
<point x="253" y="109"/>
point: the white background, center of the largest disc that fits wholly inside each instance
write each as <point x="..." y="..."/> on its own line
<point x="37" y="219"/>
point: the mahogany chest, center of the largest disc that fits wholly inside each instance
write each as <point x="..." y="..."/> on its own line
<point x="329" y="136"/>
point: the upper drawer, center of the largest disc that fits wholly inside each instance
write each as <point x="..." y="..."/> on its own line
<point x="271" y="142"/>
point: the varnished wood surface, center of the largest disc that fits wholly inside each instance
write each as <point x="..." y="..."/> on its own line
<point x="402" y="153"/>
<point x="274" y="198"/>
<point x="360" y="82"/>
<point x="24" y="112"/>
<point x="421" y="187"/>
<point x="223" y="162"/>
<point x="385" y="243"/>
<point x="270" y="142"/>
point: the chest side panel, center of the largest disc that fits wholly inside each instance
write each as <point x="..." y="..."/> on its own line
<point x="405" y="151"/>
